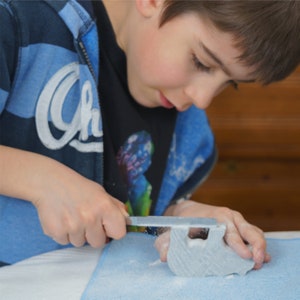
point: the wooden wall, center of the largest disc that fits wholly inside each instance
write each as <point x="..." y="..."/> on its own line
<point x="257" y="132"/>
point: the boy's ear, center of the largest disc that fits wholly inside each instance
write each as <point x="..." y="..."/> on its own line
<point x="148" y="7"/>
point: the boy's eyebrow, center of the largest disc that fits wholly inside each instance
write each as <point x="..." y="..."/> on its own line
<point x="220" y="63"/>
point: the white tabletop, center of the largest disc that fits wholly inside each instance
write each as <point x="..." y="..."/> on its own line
<point x="61" y="274"/>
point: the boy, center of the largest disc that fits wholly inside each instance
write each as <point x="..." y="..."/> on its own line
<point x="72" y="156"/>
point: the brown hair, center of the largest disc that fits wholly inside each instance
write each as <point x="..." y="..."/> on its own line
<point x="267" y="32"/>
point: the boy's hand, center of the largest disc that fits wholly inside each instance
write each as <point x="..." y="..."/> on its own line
<point x="71" y="208"/>
<point x="76" y="210"/>
<point x="238" y="231"/>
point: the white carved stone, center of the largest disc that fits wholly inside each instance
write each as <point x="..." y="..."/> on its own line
<point x="199" y="258"/>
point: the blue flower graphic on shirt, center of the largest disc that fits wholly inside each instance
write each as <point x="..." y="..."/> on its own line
<point x="134" y="159"/>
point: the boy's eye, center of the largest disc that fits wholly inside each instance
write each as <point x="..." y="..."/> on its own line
<point x="199" y="65"/>
<point x="234" y="84"/>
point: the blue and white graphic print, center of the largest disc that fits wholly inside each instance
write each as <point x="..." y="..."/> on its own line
<point x="186" y="154"/>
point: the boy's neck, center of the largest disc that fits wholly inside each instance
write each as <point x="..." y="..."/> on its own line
<point x="118" y="11"/>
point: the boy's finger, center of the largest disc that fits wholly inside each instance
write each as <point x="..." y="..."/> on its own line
<point x="96" y="236"/>
<point x="234" y="241"/>
<point x="77" y="238"/>
<point x="255" y="237"/>
<point x="114" y="224"/>
<point x="161" y="244"/>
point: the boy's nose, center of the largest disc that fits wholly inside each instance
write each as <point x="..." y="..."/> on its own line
<point x="201" y="96"/>
<point x="201" y="90"/>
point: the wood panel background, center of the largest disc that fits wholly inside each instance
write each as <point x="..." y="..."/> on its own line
<point x="257" y="132"/>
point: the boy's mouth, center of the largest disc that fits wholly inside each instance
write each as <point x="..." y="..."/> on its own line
<point x="165" y="102"/>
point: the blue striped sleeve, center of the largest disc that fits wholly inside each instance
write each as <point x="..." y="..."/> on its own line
<point x="8" y="52"/>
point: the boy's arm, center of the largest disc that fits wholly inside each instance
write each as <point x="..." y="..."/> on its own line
<point x="238" y="230"/>
<point x="71" y="208"/>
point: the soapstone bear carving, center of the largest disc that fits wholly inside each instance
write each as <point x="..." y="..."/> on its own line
<point x="199" y="258"/>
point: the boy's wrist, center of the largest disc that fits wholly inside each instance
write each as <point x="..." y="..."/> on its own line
<point x="178" y="207"/>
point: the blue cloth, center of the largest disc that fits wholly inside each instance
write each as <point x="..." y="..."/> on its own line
<point x="130" y="269"/>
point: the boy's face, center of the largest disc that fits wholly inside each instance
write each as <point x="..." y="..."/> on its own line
<point x="186" y="61"/>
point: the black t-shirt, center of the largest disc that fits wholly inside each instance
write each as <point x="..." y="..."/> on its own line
<point x="136" y="139"/>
